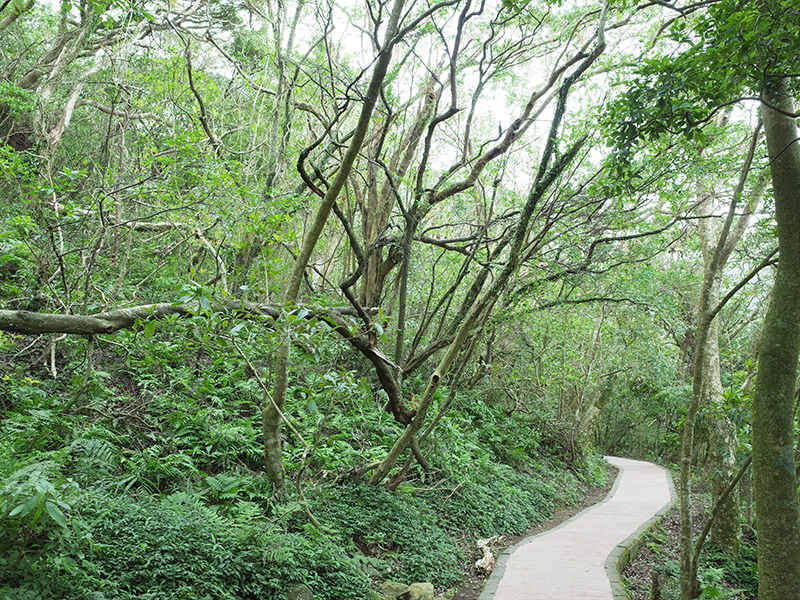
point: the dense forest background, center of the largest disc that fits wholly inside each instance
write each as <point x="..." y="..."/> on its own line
<point x="321" y="293"/>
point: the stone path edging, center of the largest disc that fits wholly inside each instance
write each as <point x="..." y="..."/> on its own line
<point x="624" y="552"/>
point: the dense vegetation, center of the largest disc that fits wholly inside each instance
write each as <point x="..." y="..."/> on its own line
<point x="318" y="293"/>
<point x="145" y="480"/>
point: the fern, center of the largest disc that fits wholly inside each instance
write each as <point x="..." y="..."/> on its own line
<point x="224" y="486"/>
<point x="213" y="517"/>
<point x="246" y="513"/>
<point x="277" y="553"/>
<point x="47" y="469"/>
<point x="94" y="451"/>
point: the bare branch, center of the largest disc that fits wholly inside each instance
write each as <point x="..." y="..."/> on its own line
<point x="32" y="323"/>
<point x="120" y="113"/>
<point x="203" y="117"/>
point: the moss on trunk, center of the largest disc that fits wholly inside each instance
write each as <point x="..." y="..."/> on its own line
<point x="774" y="480"/>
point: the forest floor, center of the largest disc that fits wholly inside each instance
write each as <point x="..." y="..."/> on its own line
<point x="474" y="580"/>
<point x="657" y="563"/>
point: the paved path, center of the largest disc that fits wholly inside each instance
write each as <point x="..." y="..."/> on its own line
<point x="574" y="560"/>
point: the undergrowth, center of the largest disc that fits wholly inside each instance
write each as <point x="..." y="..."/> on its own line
<point x="720" y="575"/>
<point x="143" y="480"/>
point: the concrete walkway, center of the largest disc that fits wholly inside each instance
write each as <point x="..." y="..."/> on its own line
<point x="578" y="559"/>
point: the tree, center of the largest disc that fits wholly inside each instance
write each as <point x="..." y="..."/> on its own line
<point x="774" y="471"/>
<point x="731" y="51"/>
<point x="550" y="168"/>
<point x="272" y="411"/>
<point x="722" y="462"/>
<point x="418" y="188"/>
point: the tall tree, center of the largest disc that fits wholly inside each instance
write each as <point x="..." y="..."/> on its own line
<point x="722" y="461"/>
<point x="774" y="466"/>
<point x="550" y="168"/>
<point x="272" y="411"/>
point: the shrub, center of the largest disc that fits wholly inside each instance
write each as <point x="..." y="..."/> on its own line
<point x="176" y="548"/>
<point x="491" y="498"/>
<point x="43" y="542"/>
<point x="397" y="528"/>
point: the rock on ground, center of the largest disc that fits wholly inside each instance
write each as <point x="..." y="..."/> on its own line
<point x="392" y="589"/>
<point x="420" y="591"/>
<point x="299" y="591"/>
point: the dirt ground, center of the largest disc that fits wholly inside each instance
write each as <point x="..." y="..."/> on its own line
<point x="474" y="580"/>
<point x="653" y="572"/>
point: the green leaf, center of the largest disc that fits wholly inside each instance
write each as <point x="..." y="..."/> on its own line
<point x="56" y="514"/>
<point x="711" y="591"/>
<point x="39" y="506"/>
<point x="149" y="329"/>
<point x="24" y="509"/>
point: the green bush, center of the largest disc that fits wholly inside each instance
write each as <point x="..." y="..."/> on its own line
<point x="400" y="529"/>
<point x="167" y="498"/>
<point x="177" y="548"/>
<point x="43" y="541"/>
<point x="491" y="499"/>
<point x="742" y="571"/>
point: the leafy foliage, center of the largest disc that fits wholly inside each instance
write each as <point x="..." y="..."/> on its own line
<point x="730" y="53"/>
<point x="374" y="522"/>
<point x="178" y="546"/>
<point x="132" y="465"/>
<point x="154" y="490"/>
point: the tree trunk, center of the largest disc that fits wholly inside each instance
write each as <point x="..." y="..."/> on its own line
<point x="774" y="479"/>
<point x="550" y="168"/>
<point x="271" y="412"/>
<point x="726" y="530"/>
<point x="706" y="363"/>
<point x="721" y="463"/>
<point x="591" y="414"/>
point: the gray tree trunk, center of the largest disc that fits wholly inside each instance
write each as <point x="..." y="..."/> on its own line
<point x="721" y="462"/>
<point x="774" y="478"/>
<point x="716" y="250"/>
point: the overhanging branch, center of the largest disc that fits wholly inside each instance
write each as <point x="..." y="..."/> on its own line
<point x="34" y="323"/>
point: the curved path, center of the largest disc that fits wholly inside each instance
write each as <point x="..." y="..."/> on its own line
<point x="575" y="560"/>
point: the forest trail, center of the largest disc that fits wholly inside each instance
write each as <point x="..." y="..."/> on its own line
<point x="575" y="560"/>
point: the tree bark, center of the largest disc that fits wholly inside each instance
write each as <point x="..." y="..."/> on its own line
<point x="36" y="323"/>
<point x="721" y="464"/>
<point x="706" y="364"/>
<point x="774" y="479"/>
<point x="15" y="13"/>
<point x="721" y="461"/>
<point x="271" y="412"/>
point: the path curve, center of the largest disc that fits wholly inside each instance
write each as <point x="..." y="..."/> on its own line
<point x="575" y="560"/>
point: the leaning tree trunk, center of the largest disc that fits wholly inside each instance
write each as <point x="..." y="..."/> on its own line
<point x="551" y="167"/>
<point x="774" y="478"/>
<point x="272" y="410"/>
